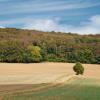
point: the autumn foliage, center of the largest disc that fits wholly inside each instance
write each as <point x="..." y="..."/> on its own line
<point x="27" y="46"/>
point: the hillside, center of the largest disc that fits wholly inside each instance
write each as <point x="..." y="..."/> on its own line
<point x="27" y="46"/>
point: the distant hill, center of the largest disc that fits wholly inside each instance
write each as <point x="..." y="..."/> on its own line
<point x="18" y="45"/>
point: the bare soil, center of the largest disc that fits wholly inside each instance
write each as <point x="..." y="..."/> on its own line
<point x="42" y="72"/>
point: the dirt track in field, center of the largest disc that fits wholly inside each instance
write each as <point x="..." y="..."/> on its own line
<point x="42" y="72"/>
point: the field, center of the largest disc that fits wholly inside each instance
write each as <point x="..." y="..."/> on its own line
<point x="48" y="81"/>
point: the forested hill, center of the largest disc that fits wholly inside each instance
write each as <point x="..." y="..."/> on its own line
<point x="27" y="46"/>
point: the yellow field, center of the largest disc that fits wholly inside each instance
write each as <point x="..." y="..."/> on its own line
<point x="42" y="72"/>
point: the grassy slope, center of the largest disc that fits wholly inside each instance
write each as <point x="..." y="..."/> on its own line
<point x="76" y="89"/>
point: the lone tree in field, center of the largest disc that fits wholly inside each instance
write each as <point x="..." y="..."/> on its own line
<point x="78" y="68"/>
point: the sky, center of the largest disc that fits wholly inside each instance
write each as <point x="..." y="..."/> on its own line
<point x="76" y="16"/>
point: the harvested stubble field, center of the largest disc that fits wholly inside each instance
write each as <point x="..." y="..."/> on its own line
<point x="48" y="81"/>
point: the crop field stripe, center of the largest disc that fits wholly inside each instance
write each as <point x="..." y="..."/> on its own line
<point x="47" y="88"/>
<point x="41" y="86"/>
<point x="39" y="89"/>
<point x="72" y="91"/>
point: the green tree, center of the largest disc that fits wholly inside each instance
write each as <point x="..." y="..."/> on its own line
<point x="78" y="68"/>
<point x="85" y="56"/>
<point x="11" y="51"/>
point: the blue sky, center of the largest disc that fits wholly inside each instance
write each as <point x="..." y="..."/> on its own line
<point x="77" y="16"/>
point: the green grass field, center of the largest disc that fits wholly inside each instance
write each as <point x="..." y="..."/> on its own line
<point x="74" y="89"/>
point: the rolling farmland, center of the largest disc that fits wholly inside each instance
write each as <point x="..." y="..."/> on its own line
<point x="48" y="81"/>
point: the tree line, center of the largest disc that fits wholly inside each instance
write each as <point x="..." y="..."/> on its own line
<point x="28" y="46"/>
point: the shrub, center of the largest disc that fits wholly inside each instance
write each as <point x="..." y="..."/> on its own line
<point x="78" y="68"/>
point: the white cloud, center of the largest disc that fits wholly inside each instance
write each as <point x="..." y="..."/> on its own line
<point x="43" y="24"/>
<point x="2" y="27"/>
<point x="90" y="27"/>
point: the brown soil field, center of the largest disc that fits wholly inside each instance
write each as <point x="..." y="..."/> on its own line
<point x="20" y="78"/>
<point x="42" y="72"/>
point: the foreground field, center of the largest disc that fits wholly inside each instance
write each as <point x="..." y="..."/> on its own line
<point x="48" y="81"/>
<point x="74" y="89"/>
